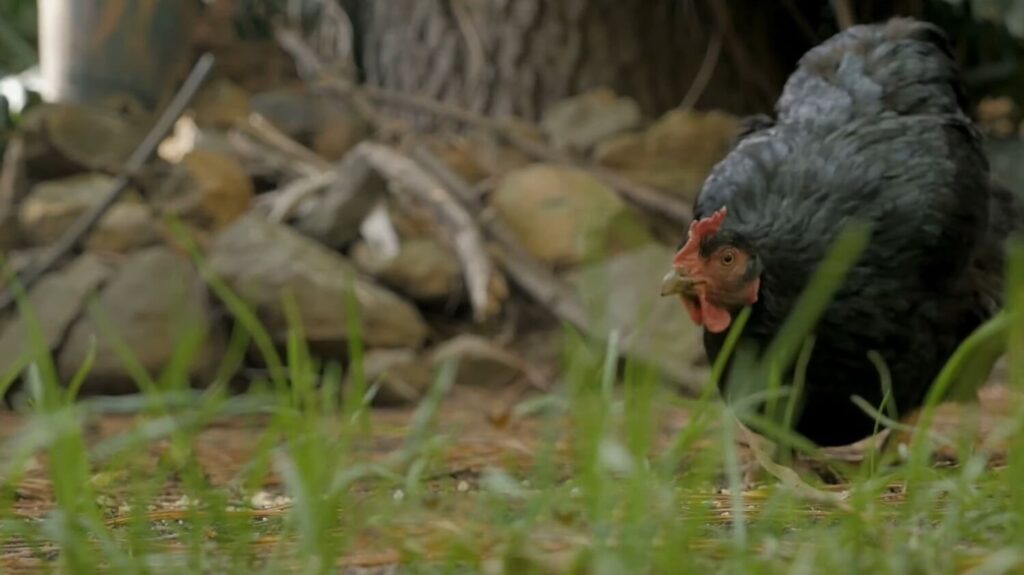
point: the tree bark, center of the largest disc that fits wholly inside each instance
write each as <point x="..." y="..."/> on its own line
<point x="516" y="57"/>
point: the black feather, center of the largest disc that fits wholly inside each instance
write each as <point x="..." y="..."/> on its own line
<point x="871" y="127"/>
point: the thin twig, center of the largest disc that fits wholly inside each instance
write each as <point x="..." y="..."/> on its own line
<point x="704" y="73"/>
<point x="74" y="236"/>
<point x="790" y="478"/>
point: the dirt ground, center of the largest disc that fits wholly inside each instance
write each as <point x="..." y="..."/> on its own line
<point x="477" y="421"/>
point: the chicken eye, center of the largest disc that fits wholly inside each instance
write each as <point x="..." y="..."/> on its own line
<point x="728" y="258"/>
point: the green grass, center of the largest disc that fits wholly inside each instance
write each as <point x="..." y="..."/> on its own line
<point x="604" y="487"/>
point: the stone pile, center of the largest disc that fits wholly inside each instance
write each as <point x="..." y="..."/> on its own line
<point x="262" y="186"/>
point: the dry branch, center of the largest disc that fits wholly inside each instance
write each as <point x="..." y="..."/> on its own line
<point x="416" y="185"/>
<point x="533" y="277"/>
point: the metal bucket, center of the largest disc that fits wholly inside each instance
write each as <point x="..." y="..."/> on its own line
<point x="90" y="50"/>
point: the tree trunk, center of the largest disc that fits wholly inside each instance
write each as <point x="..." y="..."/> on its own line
<point x="516" y="57"/>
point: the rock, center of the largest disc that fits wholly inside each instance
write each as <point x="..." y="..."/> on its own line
<point x="340" y="130"/>
<point x="56" y="301"/>
<point x="208" y="189"/>
<point x="125" y="227"/>
<point x="256" y="65"/>
<point x="293" y="110"/>
<point x="224" y="189"/>
<point x="329" y="126"/>
<point x="13" y="179"/>
<point x="403" y="376"/>
<point x="53" y="206"/>
<point x="63" y="139"/>
<point x="676" y="153"/>
<point x="20" y="260"/>
<point x="40" y="160"/>
<point x="13" y="188"/>
<point x="221" y="104"/>
<point x="261" y="261"/>
<point x="481" y="362"/>
<point x="581" y="122"/>
<point x="494" y="157"/>
<point x="623" y="292"/>
<point x="460" y="155"/>
<point x="423" y="269"/>
<point x="564" y="215"/>
<point x="154" y="304"/>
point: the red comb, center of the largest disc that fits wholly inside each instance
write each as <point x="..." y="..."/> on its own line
<point x="700" y="229"/>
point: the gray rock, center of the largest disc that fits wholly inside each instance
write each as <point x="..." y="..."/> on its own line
<point x="126" y="227"/>
<point x="423" y="269"/>
<point x="20" y="260"/>
<point x="55" y="301"/>
<point x="153" y="305"/>
<point x="262" y="261"/>
<point x="623" y="293"/>
<point x="293" y="110"/>
<point x="482" y="362"/>
<point x="53" y="206"/>
<point x="329" y="126"/>
<point x="402" y="375"/>
<point x="581" y="122"/>
<point x="63" y="139"/>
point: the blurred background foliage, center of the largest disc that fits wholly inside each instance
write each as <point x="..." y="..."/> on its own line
<point x="17" y="34"/>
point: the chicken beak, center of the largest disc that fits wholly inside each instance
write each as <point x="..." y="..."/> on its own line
<point x="673" y="284"/>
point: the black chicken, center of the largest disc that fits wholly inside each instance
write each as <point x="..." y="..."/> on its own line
<point x="870" y="127"/>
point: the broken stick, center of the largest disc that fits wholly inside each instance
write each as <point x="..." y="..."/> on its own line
<point x="413" y="182"/>
<point x="533" y="277"/>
